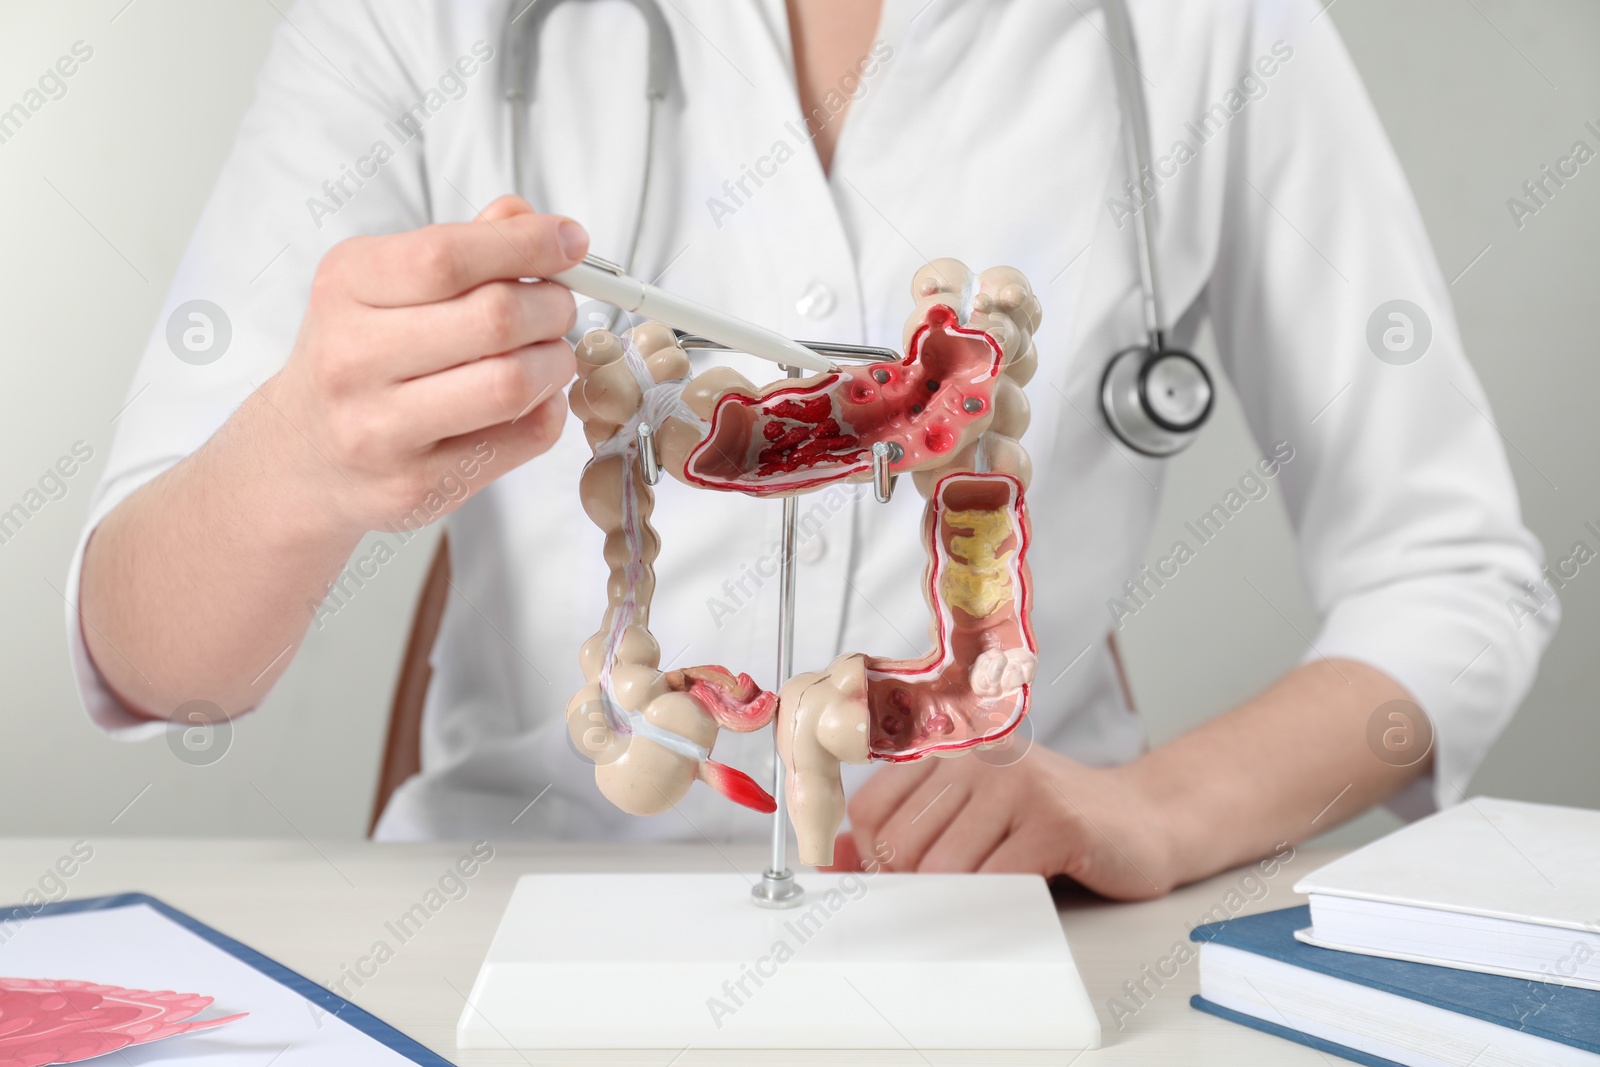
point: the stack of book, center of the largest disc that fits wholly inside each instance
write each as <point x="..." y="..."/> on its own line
<point x="1470" y="938"/>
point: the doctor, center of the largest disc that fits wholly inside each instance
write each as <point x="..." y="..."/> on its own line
<point x="383" y="369"/>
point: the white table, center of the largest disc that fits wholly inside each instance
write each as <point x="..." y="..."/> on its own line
<point x="320" y="907"/>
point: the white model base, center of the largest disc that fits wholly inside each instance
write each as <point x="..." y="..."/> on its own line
<point x="885" y="961"/>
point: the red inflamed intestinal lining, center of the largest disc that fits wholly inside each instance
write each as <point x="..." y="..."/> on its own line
<point x="803" y="433"/>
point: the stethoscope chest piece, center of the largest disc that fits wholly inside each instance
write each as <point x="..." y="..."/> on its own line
<point x="1156" y="399"/>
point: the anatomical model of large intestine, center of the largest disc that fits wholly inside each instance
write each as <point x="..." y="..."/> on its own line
<point x="951" y="411"/>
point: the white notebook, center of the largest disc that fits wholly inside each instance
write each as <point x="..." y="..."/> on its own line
<point x="1499" y="886"/>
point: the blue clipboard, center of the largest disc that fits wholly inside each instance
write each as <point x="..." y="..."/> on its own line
<point x="324" y="998"/>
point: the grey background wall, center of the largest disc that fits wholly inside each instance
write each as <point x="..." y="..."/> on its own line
<point x="101" y="188"/>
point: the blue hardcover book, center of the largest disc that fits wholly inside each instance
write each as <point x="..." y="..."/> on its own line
<point x="1385" y="1012"/>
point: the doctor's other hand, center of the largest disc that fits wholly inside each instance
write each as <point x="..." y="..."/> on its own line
<point x="422" y="361"/>
<point x="1043" y="814"/>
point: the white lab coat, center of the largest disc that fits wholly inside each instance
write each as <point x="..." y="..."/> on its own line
<point x="986" y="131"/>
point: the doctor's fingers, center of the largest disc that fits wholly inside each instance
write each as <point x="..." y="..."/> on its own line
<point x="970" y="838"/>
<point x="879" y="797"/>
<point x="440" y="261"/>
<point x="486" y="392"/>
<point x="1076" y="850"/>
<point x="496" y="317"/>
<point x="454" y="470"/>
<point x="478" y="458"/>
<point x="921" y="817"/>
<point x="1026" y="851"/>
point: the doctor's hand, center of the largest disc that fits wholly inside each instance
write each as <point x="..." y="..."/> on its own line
<point x="423" y="365"/>
<point x="1043" y="814"/>
<point x="423" y="371"/>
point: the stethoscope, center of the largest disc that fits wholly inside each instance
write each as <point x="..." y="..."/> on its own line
<point x="1154" y="398"/>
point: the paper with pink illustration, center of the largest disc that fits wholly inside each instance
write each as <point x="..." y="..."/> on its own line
<point x="45" y="1021"/>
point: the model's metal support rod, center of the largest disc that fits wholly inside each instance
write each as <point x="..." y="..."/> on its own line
<point x="780" y="824"/>
<point x="884" y="455"/>
<point x="777" y="888"/>
<point x="649" y="463"/>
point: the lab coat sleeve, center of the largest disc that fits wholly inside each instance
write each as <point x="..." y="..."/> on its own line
<point x="316" y="159"/>
<point x="1410" y="536"/>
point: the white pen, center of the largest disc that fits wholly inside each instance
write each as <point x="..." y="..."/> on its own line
<point x="596" y="278"/>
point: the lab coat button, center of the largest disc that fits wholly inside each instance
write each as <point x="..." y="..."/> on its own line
<point x="817" y="302"/>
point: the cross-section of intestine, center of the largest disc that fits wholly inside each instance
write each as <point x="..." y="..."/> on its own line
<point x="953" y="410"/>
<point x="971" y="689"/>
